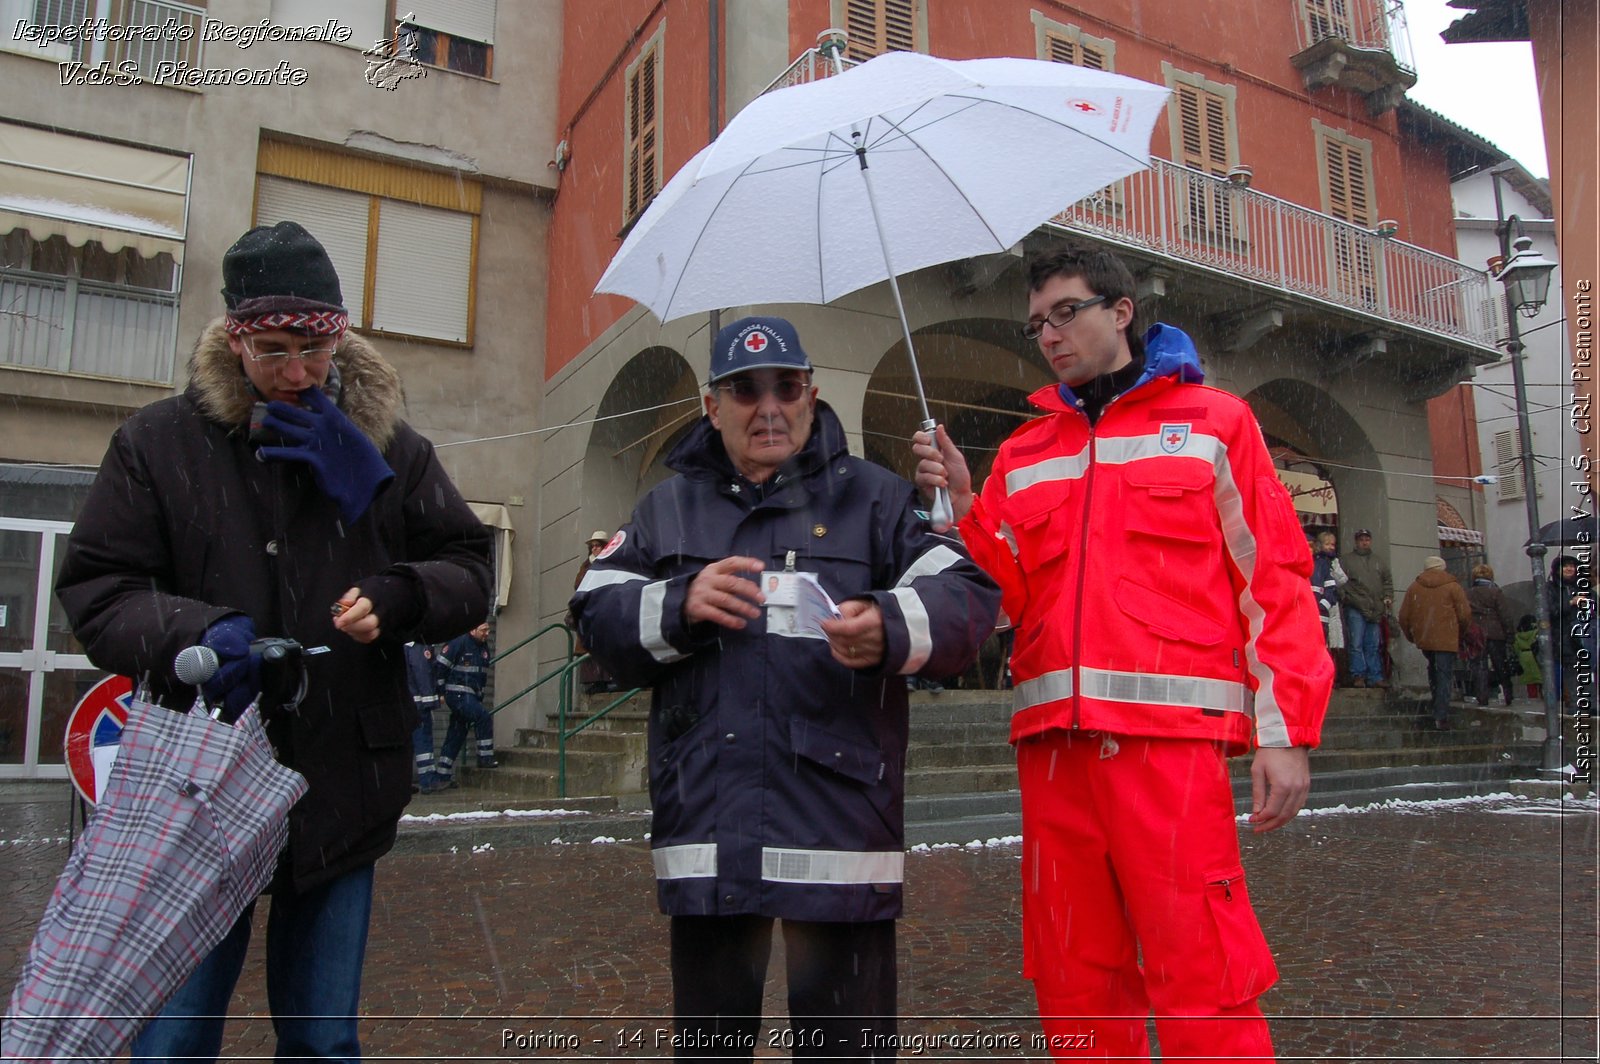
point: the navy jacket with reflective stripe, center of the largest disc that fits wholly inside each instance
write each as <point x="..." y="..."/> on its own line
<point x="777" y="776"/>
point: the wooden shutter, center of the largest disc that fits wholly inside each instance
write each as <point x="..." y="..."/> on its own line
<point x="1327" y="18"/>
<point x="642" y="133"/>
<point x="878" y="26"/>
<point x="1203" y="124"/>
<point x="1062" y="49"/>
<point x="1349" y="196"/>
<point x="1508" y="464"/>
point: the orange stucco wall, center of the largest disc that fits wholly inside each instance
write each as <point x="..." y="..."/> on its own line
<point x="1564" y="60"/>
<point x="1247" y="45"/>
<point x="599" y="40"/>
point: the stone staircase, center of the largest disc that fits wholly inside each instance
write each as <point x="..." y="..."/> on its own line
<point x="961" y="775"/>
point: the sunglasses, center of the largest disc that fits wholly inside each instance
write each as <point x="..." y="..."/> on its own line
<point x="748" y="392"/>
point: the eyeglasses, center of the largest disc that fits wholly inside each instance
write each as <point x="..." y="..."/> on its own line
<point x="747" y="392"/>
<point x="307" y="356"/>
<point x="1059" y="317"/>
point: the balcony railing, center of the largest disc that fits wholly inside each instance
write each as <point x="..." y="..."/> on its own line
<point x="85" y="327"/>
<point x="1374" y="25"/>
<point x="811" y="65"/>
<point x="1195" y="218"/>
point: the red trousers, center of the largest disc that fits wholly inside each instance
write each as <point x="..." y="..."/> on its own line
<point x="1133" y="898"/>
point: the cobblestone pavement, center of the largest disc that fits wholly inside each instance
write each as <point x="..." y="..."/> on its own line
<point x="1439" y="932"/>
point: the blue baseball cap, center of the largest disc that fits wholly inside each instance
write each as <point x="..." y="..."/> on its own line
<point x="756" y="343"/>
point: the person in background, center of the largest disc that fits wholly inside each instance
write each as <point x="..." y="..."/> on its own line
<point x="1156" y="574"/>
<point x="282" y="495"/>
<point x="423" y="679"/>
<point x="1326" y="578"/>
<point x="1492" y="613"/>
<point x="1525" y="642"/>
<point x="1367" y="598"/>
<point x="591" y="674"/>
<point x="778" y="746"/>
<point x="1433" y="615"/>
<point x="463" y="666"/>
<point x="1570" y="617"/>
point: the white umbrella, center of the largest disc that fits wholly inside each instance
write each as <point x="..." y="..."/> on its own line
<point x="906" y="161"/>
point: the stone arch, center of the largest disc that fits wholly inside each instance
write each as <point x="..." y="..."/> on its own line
<point x="1299" y="415"/>
<point x="648" y="407"/>
<point x="977" y="374"/>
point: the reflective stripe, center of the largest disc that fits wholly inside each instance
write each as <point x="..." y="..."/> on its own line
<point x="1154" y="689"/>
<point x="1050" y="687"/>
<point x="652" y="636"/>
<point x="695" y="860"/>
<point x="1140" y="688"/>
<point x="930" y="563"/>
<point x="598" y="578"/>
<point x="1240" y="540"/>
<point x="1117" y="450"/>
<point x="831" y="866"/>
<point x="1065" y="467"/>
<point x="919" y="628"/>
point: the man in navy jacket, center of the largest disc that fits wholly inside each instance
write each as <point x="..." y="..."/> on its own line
<point x="777" y="746"/>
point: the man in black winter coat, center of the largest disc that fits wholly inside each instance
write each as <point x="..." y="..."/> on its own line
<point x="777" y="747"/>
<point x="281" y="495"/>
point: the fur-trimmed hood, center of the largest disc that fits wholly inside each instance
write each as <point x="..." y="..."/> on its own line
<point x="372" y="396"/>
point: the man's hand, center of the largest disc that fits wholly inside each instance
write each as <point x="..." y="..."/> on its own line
<point x="942" y="467"/>
<point x="856" y="638"/>
<point x="719" y="594"/>
<point x="357" y="620"/>
<point x="1280" y="779"/>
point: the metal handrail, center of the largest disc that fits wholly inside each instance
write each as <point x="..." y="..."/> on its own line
<point x="562" y="734"/>
<point x="571" y="638"/>
<point x="567" y="673"/>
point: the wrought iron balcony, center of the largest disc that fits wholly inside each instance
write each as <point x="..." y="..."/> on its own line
<point x="1360" y="45"/>
<point x="1201" y="220"/>
<point x="84" y="327"/>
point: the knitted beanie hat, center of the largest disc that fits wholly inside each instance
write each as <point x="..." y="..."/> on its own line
<point x="279" y="277"/>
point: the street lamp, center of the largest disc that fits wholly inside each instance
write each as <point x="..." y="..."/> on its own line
<point x="1526" y="276"/>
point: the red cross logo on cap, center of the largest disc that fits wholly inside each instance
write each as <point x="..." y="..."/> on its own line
<point x="755" y="342"/>
<point x="1085" y="106"/>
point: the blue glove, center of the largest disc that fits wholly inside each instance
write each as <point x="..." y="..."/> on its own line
<point x="345" y="464"/>
<point x="237" y="680"/>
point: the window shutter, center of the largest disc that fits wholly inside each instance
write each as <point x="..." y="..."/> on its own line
<point x="1191" y="129"/>
<point x="472" y="19"/>
<point x="424" y="265"/>
<point x="1348" y="198"/>
<point x="899" y="26"/>
<point x="878" y="26"/>
<point x="647" y="127"/>
<point x="1508" y="464"/>
<point x="338" y="219"/>
<point x="1061" y="49"/>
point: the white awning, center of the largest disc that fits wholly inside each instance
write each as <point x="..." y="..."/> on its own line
<point x="498" y="518"/>
<point x="81" y="189"/>
<point x="1459" y="535"/>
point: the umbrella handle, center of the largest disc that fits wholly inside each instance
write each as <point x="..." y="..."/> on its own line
<point x="941" y="515"/>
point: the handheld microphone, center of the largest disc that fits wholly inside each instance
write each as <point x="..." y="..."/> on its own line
<point x="195" y="665"/>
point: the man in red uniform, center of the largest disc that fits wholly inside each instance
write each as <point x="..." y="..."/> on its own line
<point x="1157" y="578"/>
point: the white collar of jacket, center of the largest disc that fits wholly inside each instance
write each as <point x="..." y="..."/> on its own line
<point x="372" y="396"/>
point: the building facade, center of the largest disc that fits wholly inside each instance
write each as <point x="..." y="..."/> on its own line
<point x="139" y="140"/>
<point x="1291" y="222"/>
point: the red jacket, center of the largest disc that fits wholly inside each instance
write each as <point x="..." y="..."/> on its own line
<point x="1155" y="571"/>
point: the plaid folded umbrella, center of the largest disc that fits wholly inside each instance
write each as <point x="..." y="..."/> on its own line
<point x="184" y="838"/>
